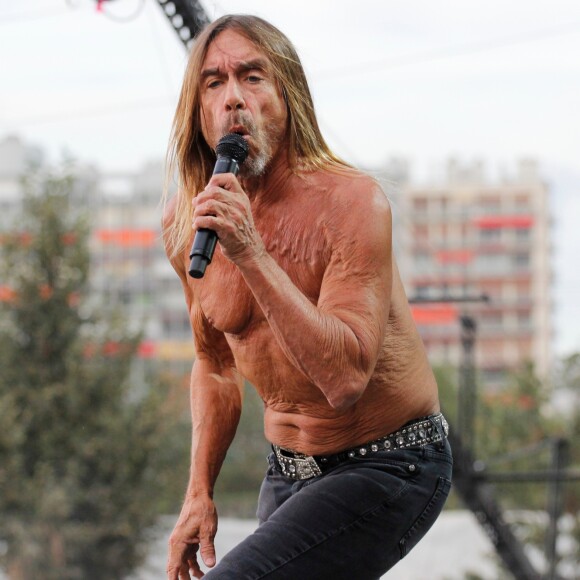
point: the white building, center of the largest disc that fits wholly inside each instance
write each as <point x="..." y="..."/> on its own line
<point x="467" y="236"/>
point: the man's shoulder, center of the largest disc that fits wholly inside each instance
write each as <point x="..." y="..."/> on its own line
<point x="355" y="214"/>
<point x="347" y="182"/>
<point x="353" y="189"/>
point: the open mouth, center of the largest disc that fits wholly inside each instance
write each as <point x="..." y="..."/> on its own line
<point x="239" y="130"/>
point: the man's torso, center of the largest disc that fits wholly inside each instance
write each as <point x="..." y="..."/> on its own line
<point x="297" y="231"/>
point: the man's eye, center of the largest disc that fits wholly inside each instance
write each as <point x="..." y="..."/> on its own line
<point x="213" y="84"/>
<point x="254" y="79"/>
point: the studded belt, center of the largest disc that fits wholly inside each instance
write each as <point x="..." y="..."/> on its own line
<point x="417" y="433"/>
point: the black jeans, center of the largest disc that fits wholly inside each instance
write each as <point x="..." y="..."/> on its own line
<point x="354" y="522"/>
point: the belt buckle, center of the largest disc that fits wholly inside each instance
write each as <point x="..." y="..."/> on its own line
<point x="297" y="466"/>
<point x="306" y="467"/>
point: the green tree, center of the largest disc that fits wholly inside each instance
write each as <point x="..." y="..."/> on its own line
<point x="514" y="417"/>
<point x="81" y="463"/>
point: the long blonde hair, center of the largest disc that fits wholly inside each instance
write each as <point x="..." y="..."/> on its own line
<point x="191" y="156"/>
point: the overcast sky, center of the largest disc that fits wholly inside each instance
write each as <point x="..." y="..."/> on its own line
<point x="496" y="80"/>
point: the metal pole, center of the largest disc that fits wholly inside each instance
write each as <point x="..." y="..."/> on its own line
<point x="467" y="395"/>
<point x="560" y="449"/>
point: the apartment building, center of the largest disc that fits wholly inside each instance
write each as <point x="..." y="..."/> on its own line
<point x="467" y="236"/>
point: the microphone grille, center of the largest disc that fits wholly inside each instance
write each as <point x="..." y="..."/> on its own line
<point x="234" y="146"/>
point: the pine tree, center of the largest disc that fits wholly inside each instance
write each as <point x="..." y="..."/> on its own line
<point x="79" y="449"/>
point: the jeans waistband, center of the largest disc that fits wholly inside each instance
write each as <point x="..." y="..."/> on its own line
<point x="416" y="433"/>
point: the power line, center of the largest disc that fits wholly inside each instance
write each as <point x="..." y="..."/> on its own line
<point x="449" y="52"/>
<point x="147" y="103"/>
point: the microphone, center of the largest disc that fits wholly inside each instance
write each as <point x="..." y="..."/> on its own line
<point x="231" y="151"/>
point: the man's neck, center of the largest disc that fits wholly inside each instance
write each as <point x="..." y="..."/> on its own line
<point x="268" y="186"/>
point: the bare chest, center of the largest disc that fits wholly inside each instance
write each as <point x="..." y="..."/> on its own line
<point x="227" y="300"/>
<point x="224" y="297"/>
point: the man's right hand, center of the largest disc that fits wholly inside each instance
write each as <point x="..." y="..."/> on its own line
<point x="195" y="530"/>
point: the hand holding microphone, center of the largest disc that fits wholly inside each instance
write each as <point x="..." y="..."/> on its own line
<point x="231" y="151"/>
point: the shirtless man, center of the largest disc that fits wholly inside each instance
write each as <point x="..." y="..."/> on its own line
<point x="303" y="299"/>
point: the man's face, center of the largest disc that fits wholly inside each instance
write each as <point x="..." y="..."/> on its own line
<point x="239" y="94"/>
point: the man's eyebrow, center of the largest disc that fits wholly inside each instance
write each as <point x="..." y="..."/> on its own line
<point x="254" y="64"/>
<point x="210" y="72"/>
<point x="243" y="66"/>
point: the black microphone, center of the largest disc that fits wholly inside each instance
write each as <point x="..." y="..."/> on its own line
<point x="231" y="151"/>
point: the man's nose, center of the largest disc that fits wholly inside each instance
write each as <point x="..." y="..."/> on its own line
<point x="234" y="98"/>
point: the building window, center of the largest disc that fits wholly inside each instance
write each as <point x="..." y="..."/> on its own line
<point x="422" y="260"/>
<point x="492" y="318"/>
<point x="523" y="292"/>
<point x="524" y="321"/>
<point x="522" y="204"/>
<point x="421" y="233"/>
<point x="490" y="235"/>
<point x="422" y="291"/>
<point x="522" y="234"/>
<point x="492" y="263"/>
<point x="490" y="205"/>
<point x="420" y="204"/>
<point x="521" y="260"/>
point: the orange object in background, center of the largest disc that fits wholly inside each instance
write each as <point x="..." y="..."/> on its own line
<point x="125" y="237"/>
<point x="454" y="256"/>
<point x="7" y="294"/>
<point x="434" y="313"/>
<point x="504" y="221"/>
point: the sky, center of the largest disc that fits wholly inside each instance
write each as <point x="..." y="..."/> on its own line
<point x="426" y="80"/>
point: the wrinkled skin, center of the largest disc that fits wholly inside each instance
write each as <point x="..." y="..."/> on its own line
<point x="303" y="299"/>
